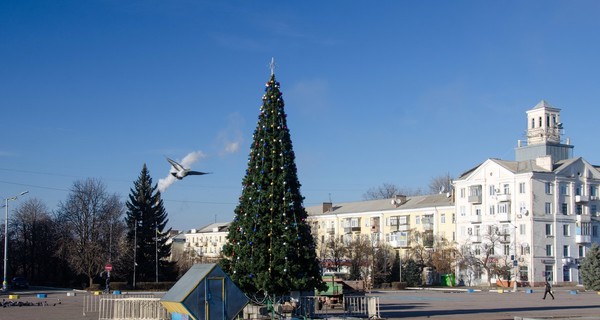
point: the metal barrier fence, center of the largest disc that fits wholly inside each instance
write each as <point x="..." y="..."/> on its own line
<point x="355" y="306"/>
<point x="132" y="308"/>
<point x="91" y="303"/>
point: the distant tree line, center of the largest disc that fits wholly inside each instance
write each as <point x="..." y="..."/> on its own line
<point x="91" y="228"/>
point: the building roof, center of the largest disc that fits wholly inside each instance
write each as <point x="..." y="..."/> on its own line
<point x="415" y="202"/>
<point x="214" y="227"/>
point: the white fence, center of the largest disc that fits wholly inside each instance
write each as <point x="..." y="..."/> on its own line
<point x="352" y="306"/>
<point x="132" y="309"/>
<point x="91" y="303"/>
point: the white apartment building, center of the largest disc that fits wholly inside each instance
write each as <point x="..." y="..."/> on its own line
<point x="541" y="208"/>
<point x="205" y="244"/>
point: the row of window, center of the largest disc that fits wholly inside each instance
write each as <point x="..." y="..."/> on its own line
<point x="566" y="251"/>
<point x="583" y="229"/>
<point x="579" y="209"/>
<point x="563" y="189"/>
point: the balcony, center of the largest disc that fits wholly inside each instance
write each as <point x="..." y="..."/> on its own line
<point x="503" y="197"/>
<point x="583" y="218"/>
<point x="399" y="243"/>
<point x="427" y="226"/>
<point x="503" y="217"/>
<point x="475" y="218"/>
<point x="475" y="239"/>
<point x="475" y="199"/>
<point x="580" y="199"/>
<point x="375" y="229"/>
<point x="403" y="227"/>
<point x="583" y="239"/>
<point x="331" y="230"/>
<point x="351" y="229"/>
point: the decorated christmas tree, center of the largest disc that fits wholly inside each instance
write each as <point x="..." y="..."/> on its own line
<point x="270" y="249"/>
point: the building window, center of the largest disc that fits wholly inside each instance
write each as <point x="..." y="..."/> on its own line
<point x="462" y="192"/>
<point x="503" y="207"/>
<point x="566" y="230"/>
<point x="492" y="190"/>
<point x="532" y="123"/>
<point x="564" y="208"/>
<point x="593" y="210"/>
<point x="566" y="274"/>
<point x="564" y="191"/>
<point x="506" y="189"/>
<point x="566" y="251"/>
<point x="549" y="250"/>
<point x="581" y="251"/>
<point x="477" y="211"/>
<point x="549" y="273"/>
<point x="522" y="229"/>
<point x="594" y="231"/>
<point x="506" y="249"/>
<point x="463" y="211"/>
<point x="417" y="219"/>
<point x="443" y="218"/>
<point x="492" y="210"/>
<point x="548" y="187"/>
<point x="548" y="229"/>
<point x="579" y="209"/>
<point x="578" y="190"/>
<point x="522" y="187"/>
<point x="593" y="190"/>
<point x="548" y="207"/>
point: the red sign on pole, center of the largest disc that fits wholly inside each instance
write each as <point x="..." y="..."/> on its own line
<point x="108" y="267"/>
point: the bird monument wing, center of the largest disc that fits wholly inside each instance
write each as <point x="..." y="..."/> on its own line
<point x="175" y="165"/>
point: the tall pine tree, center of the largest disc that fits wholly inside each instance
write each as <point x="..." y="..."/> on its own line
<point x="146" y="221"/>
<point x="270" y="249"/>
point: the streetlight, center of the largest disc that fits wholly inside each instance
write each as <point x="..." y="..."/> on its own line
<point x="5" y="282"/>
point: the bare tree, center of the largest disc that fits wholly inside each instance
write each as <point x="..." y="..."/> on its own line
<point x="443" y="256"/>
<point x="33" y="241"/>
<point x="440" y="184"/>
<point x="483" y="254"/>
<point x="87" y="218"/>
<point x="334" y="250"/>
<point x="388" y="190"/>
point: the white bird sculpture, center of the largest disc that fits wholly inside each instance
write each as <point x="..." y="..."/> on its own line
<point x="181" y="172"/>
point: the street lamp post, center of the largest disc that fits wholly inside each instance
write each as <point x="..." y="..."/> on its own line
<point x="5" y="282"/>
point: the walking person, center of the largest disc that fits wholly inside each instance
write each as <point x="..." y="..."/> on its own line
<point x="547" y="290"/>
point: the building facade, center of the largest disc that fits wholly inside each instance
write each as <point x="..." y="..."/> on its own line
<point x="398" y="222"/>
<point x="538" y="214"/>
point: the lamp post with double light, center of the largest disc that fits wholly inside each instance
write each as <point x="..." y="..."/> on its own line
<point x="5" y="282"/>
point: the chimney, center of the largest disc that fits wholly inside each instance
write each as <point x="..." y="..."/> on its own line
<point x="327" y="206"/>
<point x="398" y="200"/>
<point x="544" y="162"/>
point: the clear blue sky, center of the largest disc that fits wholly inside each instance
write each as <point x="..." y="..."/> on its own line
<point x="376" y="91"/>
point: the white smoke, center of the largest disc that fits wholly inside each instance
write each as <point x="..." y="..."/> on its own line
<point x="186" y="162"/>
<point x="231" y="136"/>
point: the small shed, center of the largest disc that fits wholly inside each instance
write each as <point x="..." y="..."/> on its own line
<point x="204" y="292"/>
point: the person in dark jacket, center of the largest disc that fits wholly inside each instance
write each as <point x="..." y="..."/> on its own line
<point x="547" y="290"/>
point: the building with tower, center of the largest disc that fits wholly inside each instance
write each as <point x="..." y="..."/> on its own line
<point x="532" y="218"/>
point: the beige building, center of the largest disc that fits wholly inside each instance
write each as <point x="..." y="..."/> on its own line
<point x="391" y="221"/>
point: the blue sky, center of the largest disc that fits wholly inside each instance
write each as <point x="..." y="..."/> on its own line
<point x="376" y="92"/>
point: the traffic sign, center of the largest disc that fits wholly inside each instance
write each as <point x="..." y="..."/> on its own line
<point x="108" y="267"/>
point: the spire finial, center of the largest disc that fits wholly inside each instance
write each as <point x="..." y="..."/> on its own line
<point x="272" y="65"/>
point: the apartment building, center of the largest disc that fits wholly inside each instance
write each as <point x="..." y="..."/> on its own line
<point x="539" y="212"/>
<point x="391" y="221"/>
<point x="204" y="245"/>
